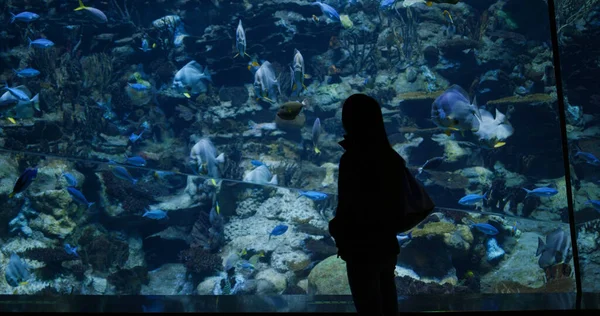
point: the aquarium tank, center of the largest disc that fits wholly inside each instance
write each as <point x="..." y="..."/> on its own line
<point x="183" y="155"/>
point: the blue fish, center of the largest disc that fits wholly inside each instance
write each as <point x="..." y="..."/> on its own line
<point x="122" y="173"/>
<point x="403" y="239"/>
<point x="71" y="180"/>
<point x="162" y="174"/>
<point x="484" y="228"/>
<point x="328" y="11"/>
<point x="541" y="192"/>
<point x="155" y="214"/>
<point x="595" y="203"/>
<point x="588" y="157"/>
<point x="17" y="93"/>
<point x="257" y="163"/>
<point x="386" y="4"/>
<point x="78" y="197"/>
<point x="136" y="161"/>
<point x="278" y="230"/>
<point x="71" y="250"/>
<point x="314" y="195"/>
<point x="24" y="17"/>
<point x="24" y="180"/>
<point x="471" y="199"/>
<point x="133" y="137"/>
<point x="247" y="265"/>
<point x="27" y="73"/>
<point x="41" y="43"/>
<point x="138" y="86"/>
<point x="145" y="46"/>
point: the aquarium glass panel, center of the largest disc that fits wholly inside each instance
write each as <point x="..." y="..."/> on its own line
<point x="185" y="154"/>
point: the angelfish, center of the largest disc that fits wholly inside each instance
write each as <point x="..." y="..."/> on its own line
<point x="297" y="70"/>
<point x="316" y="134"/>
<point x="240" y="41"/>
<point x="95" y="14"/>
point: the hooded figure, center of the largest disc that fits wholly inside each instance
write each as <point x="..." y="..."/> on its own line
<point x="369" y="192"/>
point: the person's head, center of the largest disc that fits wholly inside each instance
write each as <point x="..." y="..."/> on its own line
<point x="362" y="120"/>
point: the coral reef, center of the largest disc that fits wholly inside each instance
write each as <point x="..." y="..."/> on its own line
<point x="129" y="281"/>
<point x="101" y="251"/>
<point x="200" y="261"/>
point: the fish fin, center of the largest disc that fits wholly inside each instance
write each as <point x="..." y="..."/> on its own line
<point x="499" y="144"/>
<point x="134" y="181"/>
<point x="236" y="55"/>
<point x="303" y="86"/>
<point x="12" y="120"/>
<point x="269" y="100"/>
<point x="317" y="150"/>
<point x="11" y="195"/>
<point x="81" y="6"/>
<point x="273" y="180"/>
<point x="294" y="86"/>
<point x="307" y="76"/>
<point x="36" y="102"/>
<point x="220" y="158"/>
<point x="540" y="248"/>
<point x="246" y="54"/>
<point x="187" y="95"/>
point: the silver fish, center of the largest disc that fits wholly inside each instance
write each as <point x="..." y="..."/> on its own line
<point x="260" y="175"/>
<point x="265" y="83"/>
<point x="297" y="69"/>
<point x="492" y="131"/>
<point x="557" y="249"/>
<point x="316" y="134"/>
<point x="96" y="15"/>
<point x="453" y="111"/>
<point x="192" y="78"/>
<point x="204" y="156"/>
<point x="240" y="41"/>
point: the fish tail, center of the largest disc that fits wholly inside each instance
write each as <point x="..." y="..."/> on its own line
<point x="317" y="150"/>
<point x="528" y="191"/>
<point x="11" y="195"/>
<point x="29" y="39"/>
<point x="81" y="6"/>
<point x="409" y="235"/>
<point x="236" y="55"/>
<point x="134" y="181"/>
<point x="90" y="204"/>
<point x="13" y="17"/>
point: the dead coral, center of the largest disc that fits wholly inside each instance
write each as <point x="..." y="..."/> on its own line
<point x="101" y="252"/>
<point x="129" y="281"/>
<point x="200" y="261"/>
<point x="48" y="255"/>
<point x="134" y="198"/>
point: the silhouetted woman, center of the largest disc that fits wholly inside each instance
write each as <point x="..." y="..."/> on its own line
<point x="369" y="183"/>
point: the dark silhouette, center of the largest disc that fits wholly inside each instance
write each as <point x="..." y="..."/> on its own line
<point x="370" y="179"/>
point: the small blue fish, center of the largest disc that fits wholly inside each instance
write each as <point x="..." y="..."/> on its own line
<point x="71" y="180"/>
<point x="123" y="174"/>
<point x="155" y="214"/>
<point x="78" y="197"/>
<point x="145" y="46"/>
<point x="71" y="250"/>
<point x="588" y="157"/>
<point x="471" y="199"/>
<point x="24" y="17"/>
<point x="247" y="265"/>
<point x="386" y="4"/>
<point x="541" y="192"/>
<point x="27" y="73"/>
<point x="484" y="228"/>
<point x="41" y="43"/>
<point x="257" y="163"/>
<point x="136" y="161"/>
<point x="314" y="195"/>
<point x="595" y="203"/>
<point x="17" y="93"/>
<point x="138" y="86"/>
<point x="278" y="230"/>
<point x="328" y="11"/>
<point x="162" y="174"/>
<point x="133" y="138"/>
<point x="403" y="239"/>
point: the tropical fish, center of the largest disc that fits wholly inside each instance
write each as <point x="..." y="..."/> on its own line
<point x="492" y="131"/>
<point x="265" y="82"/>
<point x="453" y="111"/>
<point x="240" y="41"/>
<point x="145" y="46"/>
<point x="278" y="230"/>
<point x="214" y="217"/>
<point x="595" y="203"/>
<point x="24" y="17"/>
<point x="155" y="214"/>
<point x="162" y="174"/>
<point x="136" y="161"/>
<point x="192" y="78"/>
<point x="432" y="163"/>
<point x="588" y="157"/>
<point x="471" y="199"/>
<point x="122" y="173"/>
<point x="138" y="86"/>
<point x="168" y="21"/>
<point x="298" y="75"/>
<point x="18" y="92"/>
<point x="18" y="102"/>
<point x="178" y="35"/>
<point x="204" y="156"/>
<point x="404" y="239"/>
<point x="256" y="163"/>
<point x="484" y="228"/>
<point x="71" y="180"/>
<point x="17" y="271"/>
<point x="316" y="134"/>
<point x="78" y="197"/>
<point x="41" y="43"/>
<point x="328" y="11"/>
<point x="133" y="137"/>
<point x="230" y="261"/>
<point x="24" y="180"/>
<point x="289" y="110"/>
<point x="257" y="128"/>
<point x="96" y="15"/>
<point x="260" y="175"/>
<point x="27" y="73"/>
<point x="557" y="249"/>
<point x="541" y="192"/>
<point x="386" y="4"/>
<point x="314" y="195"/>
<point x="255" y="259"/>
<point x="71" y="250"/>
